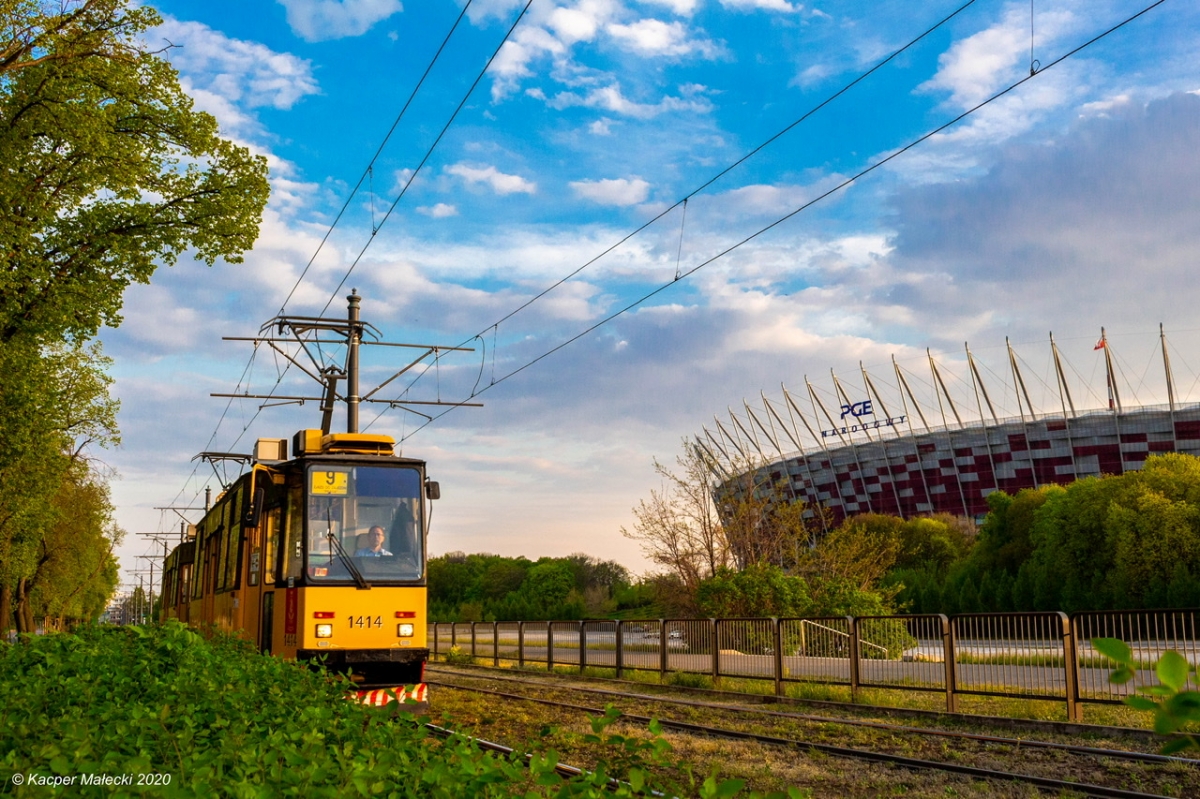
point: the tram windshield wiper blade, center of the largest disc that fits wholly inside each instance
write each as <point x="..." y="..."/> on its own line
<point x="359" y="580"/>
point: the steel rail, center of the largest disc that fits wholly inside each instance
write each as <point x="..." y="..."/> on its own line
<point x="1122" y="754"/>
<point x="1065" y="727"/>
<point x="562" y="769"/>
<point x="1047" y="783"/>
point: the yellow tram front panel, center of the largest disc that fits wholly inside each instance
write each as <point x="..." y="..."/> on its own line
<point x="345" y="617"/>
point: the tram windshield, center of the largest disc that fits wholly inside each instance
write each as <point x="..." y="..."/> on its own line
<point x="369" y="516"/>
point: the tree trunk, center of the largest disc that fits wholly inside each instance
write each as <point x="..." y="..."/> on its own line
<point x="24" y="612"/>
<point x="6" y="609"/>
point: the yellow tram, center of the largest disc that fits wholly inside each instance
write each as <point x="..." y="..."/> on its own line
<point x="289" y="556"/>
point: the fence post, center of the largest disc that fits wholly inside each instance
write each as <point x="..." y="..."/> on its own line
<point x="520" y="644"/>
<point x="496" y="644"/>
<point x="582" y="646"/>
<point x="1071" y="666"/>
<point x="853" y="658"/>
<point x="948" y="658"/>
<point x="777" y="648"/>
<point x="716" y="653"/>
<point x="620" y="655"/>
<point x="550" y="646"/>
<point x="662" y="650"/>
<point x="435" y="640"/>
<point x="473" y="640"/>
<point x="453" y="634"/>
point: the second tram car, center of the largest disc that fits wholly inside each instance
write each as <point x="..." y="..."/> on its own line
<point x="290" y="557"/>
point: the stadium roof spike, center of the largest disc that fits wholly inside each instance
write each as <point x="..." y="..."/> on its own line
<point x="1113" y="392"/>
<point x="736" y="444"/>
<point x="775" y="415"/>
<point x="749" y="433"/>
<point x="712" y="439"/>
<point x="870" y="389"/>
<point x="768" y="433"/>
<point x="1018" y="381"/>
<point x="902" y="381"/>
<point x="980" y="386"/>
<point x="1167" y="368"/>
<point x="793" y="407"/>
<point x="1064" y="391"/>
<point x="812" y="395"/>
<point x="714" y="463"/>
<point x="937" y="382"/>
<point x="848" y="406"/>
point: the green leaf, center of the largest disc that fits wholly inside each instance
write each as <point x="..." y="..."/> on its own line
<point x="1141" y="703"/>
<point x="729" y="788"/>
<point x="1113" y="648"/>
<point x="1179" y="744"/>
<point x="1172" y="670"/>
<point x="1121" y="676"/>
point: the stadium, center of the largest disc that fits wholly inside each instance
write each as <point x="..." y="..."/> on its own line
<point x="929" y="441"/>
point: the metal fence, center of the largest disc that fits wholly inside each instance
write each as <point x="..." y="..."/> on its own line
<point x="1045" y="656"/>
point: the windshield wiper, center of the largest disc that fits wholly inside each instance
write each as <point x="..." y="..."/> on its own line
<point x="345" y="559"/>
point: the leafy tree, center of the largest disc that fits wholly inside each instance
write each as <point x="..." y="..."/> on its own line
<point x="76" y="571"/>
<point x="678" y="527"/>
<point x="106" y="169"/>
<point x="859" y="553"/>
<point x="53" y="405"/>
<point x="759" y="590"/>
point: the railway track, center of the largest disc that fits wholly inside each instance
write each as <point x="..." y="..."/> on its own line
<point x="1097" y="771"/>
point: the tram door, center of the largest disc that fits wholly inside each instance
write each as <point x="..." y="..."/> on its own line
<point x="267" y="626"/>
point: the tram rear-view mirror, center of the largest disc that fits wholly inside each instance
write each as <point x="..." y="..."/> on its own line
<point x="433" y="490"/>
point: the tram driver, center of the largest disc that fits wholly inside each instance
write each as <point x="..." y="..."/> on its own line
<point x="374" y="545"/>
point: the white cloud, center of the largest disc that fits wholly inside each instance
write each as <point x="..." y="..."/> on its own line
<point x="439" y="211"/>
<point x="499" y="182"/>
<point x="684" y="8"/>
<point x="613" y="192"/>
<point x="765" y="5"/>
<point x="601" y="127"/>
<point x="977" y="66"/>
<point x="610" y="98"/>
<point x="573" y="25"/>
<point x="321" y="20"/>
<point x="512" y="62"/>
<point x="241" y="72"/>
<point x="654" y="37"/>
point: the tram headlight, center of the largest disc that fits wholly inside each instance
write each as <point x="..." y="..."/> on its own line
<point x="324" y="630"/>
<point x="404" y="630"/>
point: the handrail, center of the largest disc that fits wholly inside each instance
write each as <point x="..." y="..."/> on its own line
<point x="861" y="642"/>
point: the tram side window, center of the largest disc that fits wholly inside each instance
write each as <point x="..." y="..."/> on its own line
<point x="185" y="579"/>
<point x="222" y="543"/>
<point x="201" y="556"/>
<point x="234" y="542"/>
<point x="270" y="567"/>
<point x="293" y="542"/>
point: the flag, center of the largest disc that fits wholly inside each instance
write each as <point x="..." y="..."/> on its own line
<point x="1099" y="345"/>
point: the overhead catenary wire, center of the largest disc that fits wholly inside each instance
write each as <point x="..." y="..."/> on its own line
<point x="428" y="154"/>
<point x="367" y="174"/>
<point x="723" y="172"/>
<point x="819" y="198"/>
<point x="683" y="201"/>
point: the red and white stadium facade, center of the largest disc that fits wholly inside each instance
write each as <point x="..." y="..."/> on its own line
<point x="878" y="449"/>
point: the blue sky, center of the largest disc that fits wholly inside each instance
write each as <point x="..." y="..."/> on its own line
<point x="1068" y="204"/>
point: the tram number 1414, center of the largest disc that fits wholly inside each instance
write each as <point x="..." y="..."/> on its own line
<point x="366" y="621"/>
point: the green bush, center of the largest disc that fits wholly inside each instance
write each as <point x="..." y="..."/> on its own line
<point x="218" y="719"/>
<point x="1176" y="709"/>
